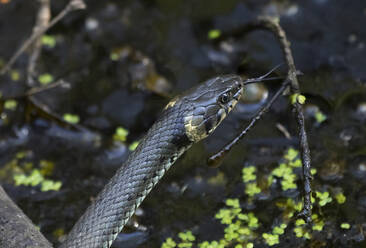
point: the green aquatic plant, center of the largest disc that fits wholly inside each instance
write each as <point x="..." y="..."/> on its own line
<point x="340" y="198"/>
<point x="214" y="34"/>
<point x="169" y="243"/>
<point x="251" y="189"/>
<point x="320" y="116"/>
<point x="22" y="172"/>
<point x="249" y="177"/>
<point x="48" y="40"/>
<point x="15" y="75"/>
<point x="242" y="228"/>
<point x="37" y="179"/>
<point x="10" y="104"/>
<point x="297" y="98"/>
<point x="324" y="198"/>
<point x="186" y="241"/>
<point x="345" y="225"/>
<point x="248" y="174"/>
<point x="45" y="79"/>
<point x="133" y="145"/>
<point x="70" y="118"/>
<point x="120" y="134"/>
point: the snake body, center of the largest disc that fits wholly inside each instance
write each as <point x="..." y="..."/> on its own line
<point x="187" y="119"/>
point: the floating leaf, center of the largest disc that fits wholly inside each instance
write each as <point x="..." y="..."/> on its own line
<point x="50" y="185"/>
<point x="45" y="78"/>
<point x="10" y="104"/>
<point x="48" y="40"/>
<point x="248" y="174"/>
<point x="340" y="198"/>
<point x="345" y="226"/>
<point x="169" y="243"/>
<point x="320" y="117"/>
<point x="271" y="239"/>
<point x="133" y="145"/>
<point x="251" y="189"/>
<point x="324" y="198"/>
<point x="120" y="134"/>
<point x="214" y="34"/>
<point x="14" y="75"/>
<point x="70" y="118"/>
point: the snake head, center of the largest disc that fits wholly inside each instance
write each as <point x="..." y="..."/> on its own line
<point x="210" y="102"/>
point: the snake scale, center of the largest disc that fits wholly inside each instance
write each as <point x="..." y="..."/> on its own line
<point x="186" y="120"/>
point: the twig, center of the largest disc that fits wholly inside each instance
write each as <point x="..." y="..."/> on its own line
<point x="36" y="90"/>
<point x="71" y="6"/>
<point x="283" y="130"/>
<point x="274" y="26"/>
<point x="44" y="111"/>
<point x="43" y="18"/>
<point x="216" y="159"/>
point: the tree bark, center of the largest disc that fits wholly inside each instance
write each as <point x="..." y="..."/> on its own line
<point x="16" y="229"/>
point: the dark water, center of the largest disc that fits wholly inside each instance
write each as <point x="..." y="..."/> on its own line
<point x="161" y="48"/>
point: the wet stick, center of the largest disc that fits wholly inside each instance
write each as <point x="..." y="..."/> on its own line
<point x="217" y="158"/>
<point x="273" y="26"/>
<point x="72" y="5"/>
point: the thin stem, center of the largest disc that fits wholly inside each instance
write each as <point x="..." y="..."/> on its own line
<point x="72" y="5"/>
<point x="274" y="26"/>
<point x="216" y="159"/>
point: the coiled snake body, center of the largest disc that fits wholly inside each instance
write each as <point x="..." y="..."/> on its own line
<point x="187" y="119"/>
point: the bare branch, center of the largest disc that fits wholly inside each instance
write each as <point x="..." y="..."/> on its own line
<point x="16" y="229"/>
<point x="274" y="26"/>
<point x="43" y="18"/>
<point x="72" y="5"/>
<point x="215" y="159"/>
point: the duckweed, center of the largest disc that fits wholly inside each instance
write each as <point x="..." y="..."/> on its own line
<point x="70" y="118"/>
<point x="297" y="98"/>
<point x="10" y="104"/>
<point x="45" y="79"/>
<point x="271" y="239"/>
<point x="291" y="154"/>
<point x="14" y="75"/>
<point x="345" y="226"/>
<point x="120" y="134"/>
<point x="49" y="41"/>
<point x="241" y="228"/>
<point x="340" y="198"/>
<point x="36" y="178"/>
<point x="251" y="189"/>
<point x="133" y="145"/>
<point x="324" y="198"/>
<point x="169" y="243"/>
<point x="214" y="34"/>
<point x="320" y="117"/>
<point x="249" y="174"/>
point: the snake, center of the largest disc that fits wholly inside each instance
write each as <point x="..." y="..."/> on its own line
<point x="186" y="119"/>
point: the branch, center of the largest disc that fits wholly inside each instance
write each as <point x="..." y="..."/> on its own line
<point x="273" y="25"/>
<point x="72" y="5"/>
<point x="36" y="90"/>
<point x="216" y="159"/>
<point x="16" y="229"/>
<point x="43" y="19"/>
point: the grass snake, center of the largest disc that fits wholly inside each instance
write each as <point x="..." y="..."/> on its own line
<point x="187" y="119"/>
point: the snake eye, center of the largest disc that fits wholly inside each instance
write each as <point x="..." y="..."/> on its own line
<point x="224" y="98"/>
